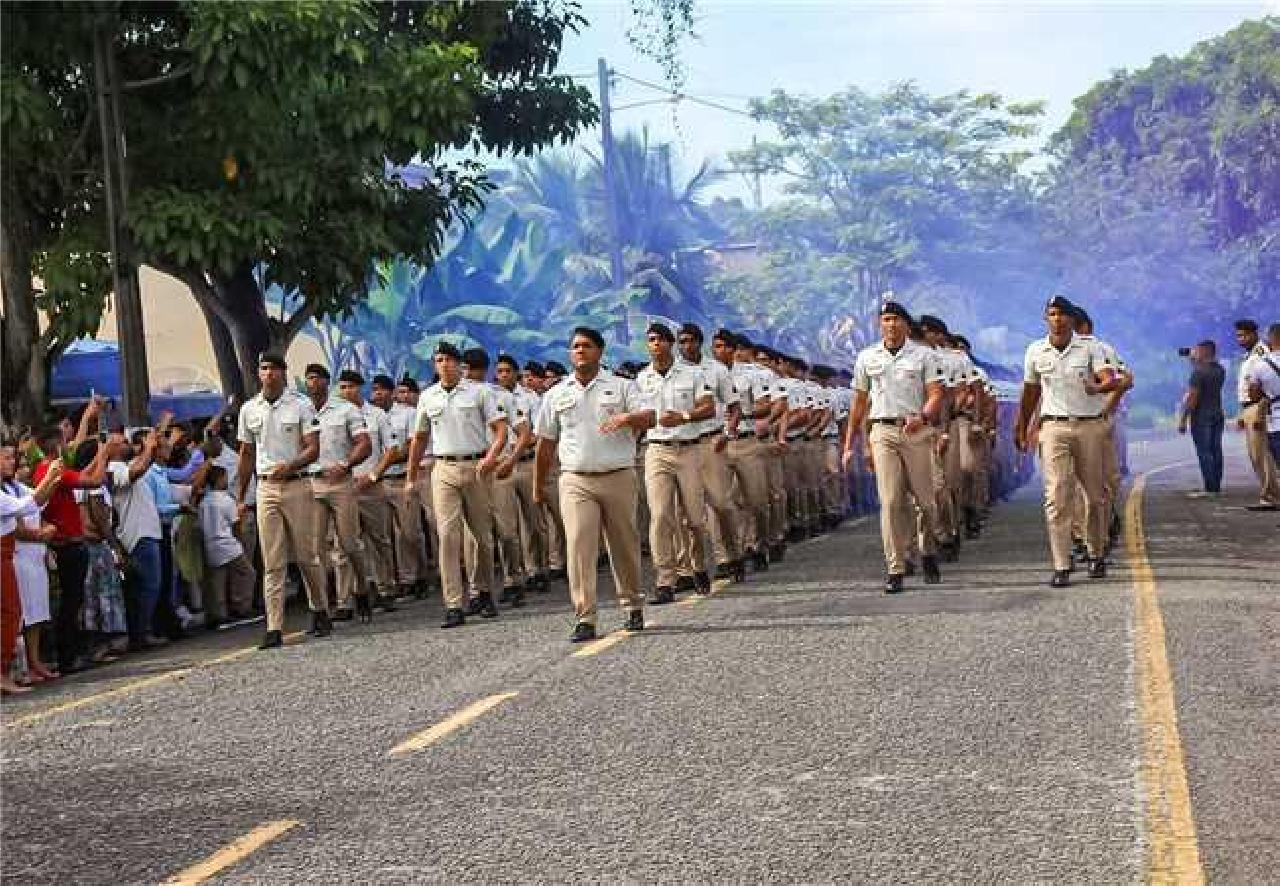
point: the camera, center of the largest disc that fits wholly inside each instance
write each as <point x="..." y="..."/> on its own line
<point x="1184" y="352"/>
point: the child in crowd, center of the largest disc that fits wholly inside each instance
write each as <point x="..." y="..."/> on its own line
<point x="229" y="577"/>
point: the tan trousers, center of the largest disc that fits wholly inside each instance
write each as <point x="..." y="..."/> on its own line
<point x="1264" y="465"/>
<point x="1074" y="452"/>
<point x="506" y="525"/>
<point x="338" y="510"/>
<point x="463" y="502"/>
<point x="375" y="512"/>
<point x="533" y="522"/>
<point x="406" y="530"/>
<point x="905" y="468"/>
<point x="673" y="484"/>
<point x="794" y="467"/>
<point x="747" y="470"/>
<point x="835" y="487"/>
<point x="775" y="476"/>
<point x="554" y="521"/>
<point x="228" y="589"/>
<point x="950" y="508"/>
<point x="592" y="503"/>
<point x="722" y="515"/>
<point x="428" y="511"/>
<point x="968" y="439"/>
<point x="286" y="521"/>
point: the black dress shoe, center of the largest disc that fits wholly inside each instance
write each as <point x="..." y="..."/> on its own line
<point x="321" y="624"/>
<point x="270" y="640"/>
<point x="364" y="608"/>
<point x="583" y="632"/>
<point x="702" y="584"/>
<point x="635" y="621"/>
<point x="777" y="553"/>
<point x="454" y="618"/>
<point x="685" y="584"/>
<point x="487" y="609"/>
<point x="386" y="602"/>
<point x="515" y="599"/>
<point x="557" y="575"/>
<point x="722" y="571"/>
<point x="537" y="583"/>
<point x="663" y="595"/>
<point x="344" y="614"/>
<point x="796" y="535"/>
<point x="738" y="571"/>
<point x="910" y="568"/>
<point x="474" y="606"/>
<point x="1061" y="578"/>
<point x="422" y="590"/>
<point x="931" y="574"/>
<point x="1098" y="568"/>
<point x="893" y="584"/>
<point x="760" y="561"/>
<point x="1262" y="507"/>
<point x="950" y="551"/>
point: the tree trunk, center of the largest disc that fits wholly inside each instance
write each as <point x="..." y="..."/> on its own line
<point x="25" y="365"/>
<point x="224" y="352"/>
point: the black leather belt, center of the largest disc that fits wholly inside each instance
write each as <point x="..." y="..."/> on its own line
<point x="528" y="456"/>
<point x="676" y="442"/>
<point x="474" y="457"/>
<point x="598" y="473"/>
<point x="1070" y="417"/>
<point x="896" y="422"/>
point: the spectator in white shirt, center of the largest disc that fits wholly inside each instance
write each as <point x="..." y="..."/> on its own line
<point x="229" y="577"/>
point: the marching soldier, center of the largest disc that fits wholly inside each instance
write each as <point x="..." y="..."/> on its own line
<point x="278" y="442"/>
<point x="371" y="496"/>
<point x="411" y="571"/>
<point x="1061" y="375"/>
<point x="590" y="424"/>
<point x="459" y="415"/>
<point x="519" y="464"/>
<point x="344" y="443"/>
<point x="681" y="399"/>
<point x="898" y="386"/>
<point x="717" y="431"/>
<point x="1252" y="419"/>
<point x="771" y="432"/>
<point x="408" y="393"/>
<point x="745" y="459"/>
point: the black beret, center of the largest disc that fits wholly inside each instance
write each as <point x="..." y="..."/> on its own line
<point x="350" y="376"/>
<point x="557" y="368"/>
<point x="448" y="350"/>
<point x="535" y="367"/>
<point x="275" y="361"/>
<point x="475" y="358"/>
<point x="1061" y="302"/>
<point x="893" y="307"/>
<point x="1082" y="316"/>
<point x="409" y="382"/>
<point x="507" y="359"/>
<point x="316" y="369"/>
<point x="661" y="330"/>
<point x="692" y="330"/>
<point x="928" y="321"/>
<point x="963" y="342"/>
<point x="592" y="335"/>
<point x="384" y="382"/>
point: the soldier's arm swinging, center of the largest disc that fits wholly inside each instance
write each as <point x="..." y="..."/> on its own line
<point x="1026" y="408"/>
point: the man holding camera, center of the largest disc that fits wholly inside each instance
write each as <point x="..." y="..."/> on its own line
<point x="1202" y="412"/>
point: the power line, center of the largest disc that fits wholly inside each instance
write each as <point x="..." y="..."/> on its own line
<point x="678" y="96"/>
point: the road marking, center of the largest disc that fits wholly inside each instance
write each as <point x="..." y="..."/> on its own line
<point x="595" y="647"/>
<point x="1174" y="854"/>
<point x="141" y="683"/>
<point x="234" y="852"/>
<point x="450" y="724"/>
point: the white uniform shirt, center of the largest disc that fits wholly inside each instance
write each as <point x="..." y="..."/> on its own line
<point x="400" y="423"/>
<point x="896" y="382"/>
<point x="137" y="516"/>
<point x="677" y="391"/>
<point x="460" y="419"/>
<point x="752" y="384"/>
<point x="1246" y="368"/>
<point x="523" y="405"/>
<point x="1267" y="375"/>
<point x="572" y="413"/>
<point x="1098" y="402"/>
<point x="276" y="429"/>
<point x="381" y="437"/>
<point x="339" y="423"/>
<point x="720" y="380"/>
<point x="1061" y="376"/>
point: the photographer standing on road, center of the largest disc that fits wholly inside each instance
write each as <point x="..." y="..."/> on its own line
<point x="1202" y="410"/>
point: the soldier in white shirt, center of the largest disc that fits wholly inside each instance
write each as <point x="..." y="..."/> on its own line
<point x="407" y="394"/>
<point x="506" y="521"/>
<point x="344" y="443"/>
<point x="466" y="423"/>
<point x="1253" y="419"/>
<point x="518" y="466"/>
<point x="771" y="434"/>
<point x="406" y="512"/>
<point x="898" y="386"/>
<point x="681" y="400"/>
<point x="1108" y="404"/>
<point x="589" y="424"/>
<point x="797" y="460"/>
<point x="1061" y="376"/>
<point x="948" y="478"/>
<point x="278" y="441"/>
<point x="717" y="479"/>
<point x="1263" y="376"/>
<point x="745" y="460"/>
<point x="371" y="496"/>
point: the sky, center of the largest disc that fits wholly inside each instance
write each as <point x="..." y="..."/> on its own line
<point x="1053" y="51"/>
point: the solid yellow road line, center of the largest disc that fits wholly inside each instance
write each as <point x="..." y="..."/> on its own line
<point x="141" y="683"/>
<point x="1173" y="851"/>
<point x="595" y="647"/>
<point x="232" y="853"/>
<point x="452" y="724"/>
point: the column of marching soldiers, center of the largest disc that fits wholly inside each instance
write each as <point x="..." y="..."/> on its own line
<point x="712" y="459"/>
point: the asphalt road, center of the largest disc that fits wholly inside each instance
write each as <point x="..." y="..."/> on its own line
<point x="801" y="727"/>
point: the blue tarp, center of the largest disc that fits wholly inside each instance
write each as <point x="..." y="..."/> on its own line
<point x="90" y="366"/>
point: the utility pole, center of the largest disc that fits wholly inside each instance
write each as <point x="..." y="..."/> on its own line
<point x="124" y="279"/>
<point x="616" y="271"/>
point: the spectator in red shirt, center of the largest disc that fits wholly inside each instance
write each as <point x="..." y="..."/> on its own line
<point x="68" y="545"/>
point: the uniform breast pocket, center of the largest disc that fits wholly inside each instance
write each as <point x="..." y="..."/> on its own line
<point x="253" y="423"/>
<point x="291" y="429"/>
<point x="684" y="396"/>
<point x="434" y="412"/>
<point x="1044" y="367"/>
